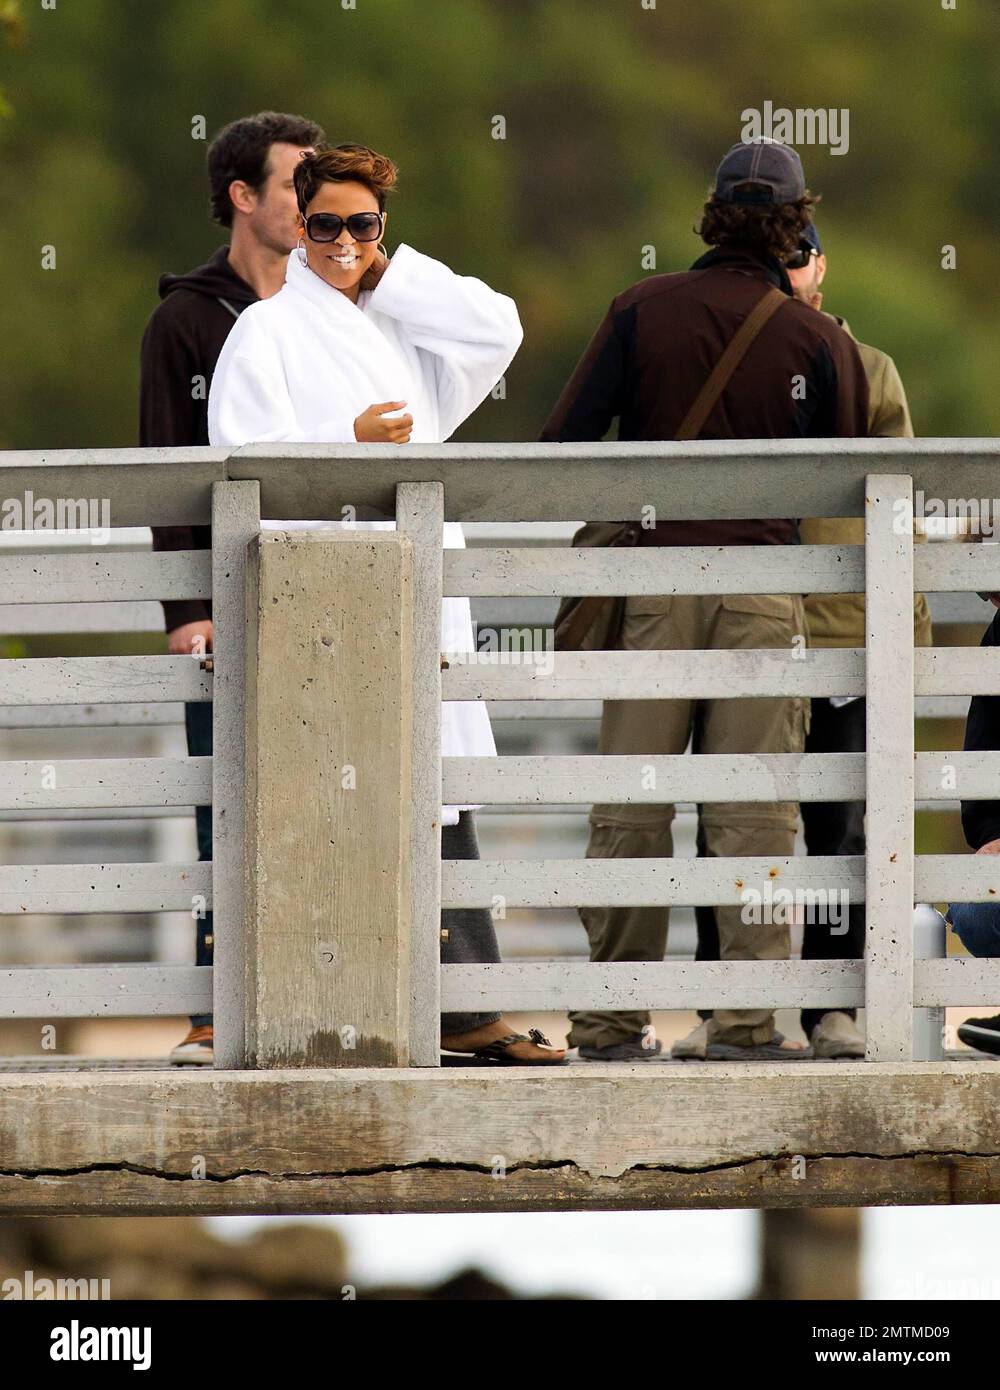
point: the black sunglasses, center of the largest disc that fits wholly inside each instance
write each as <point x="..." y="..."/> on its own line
<point x="327" y="226"/>
<point x="800" y="258"/>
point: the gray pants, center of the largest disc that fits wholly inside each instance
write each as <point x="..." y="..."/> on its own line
<point x="471" y="939"/>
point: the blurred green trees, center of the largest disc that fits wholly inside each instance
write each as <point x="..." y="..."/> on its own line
<point x="615" y="118"/>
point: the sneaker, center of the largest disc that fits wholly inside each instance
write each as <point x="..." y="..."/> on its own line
<point x="982" y="1033"/>
<point x="634" y="1049"/>
<point x="694" y="1045"/>
<point x="196" y="1049"/>
<point x="697" y="1046"/>
<point x="837" y="1035"/>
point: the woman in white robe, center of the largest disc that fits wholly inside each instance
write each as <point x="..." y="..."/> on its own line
<point x="358" y="347"/>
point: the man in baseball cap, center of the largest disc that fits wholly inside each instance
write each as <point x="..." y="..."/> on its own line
<point x="760" y="171"/>
<point x="647" y="365"/>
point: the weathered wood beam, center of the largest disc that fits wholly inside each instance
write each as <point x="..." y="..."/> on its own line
<point x="465" y="1139"/>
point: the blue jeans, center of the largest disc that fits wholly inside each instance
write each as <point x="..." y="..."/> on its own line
<point x="977" y="926"/>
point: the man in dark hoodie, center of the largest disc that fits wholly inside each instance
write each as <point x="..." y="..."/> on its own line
<point x="250" y="167"/>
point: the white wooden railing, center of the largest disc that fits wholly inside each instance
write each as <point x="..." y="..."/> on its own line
<point x="515" y="483"/>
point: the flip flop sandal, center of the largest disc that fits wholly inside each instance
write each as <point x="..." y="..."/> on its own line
<point x="757" y="1052"/>
<point x="496" y="1052"/>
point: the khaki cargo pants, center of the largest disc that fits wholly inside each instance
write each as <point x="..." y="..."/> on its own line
<point x="639" y="831"/>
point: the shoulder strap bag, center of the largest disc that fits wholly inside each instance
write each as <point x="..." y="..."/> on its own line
<point x="594" y="623"/>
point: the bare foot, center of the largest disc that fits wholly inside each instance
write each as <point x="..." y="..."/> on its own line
<point x="526" y="1051"/>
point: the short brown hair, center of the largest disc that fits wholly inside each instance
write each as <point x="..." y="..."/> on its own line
<point x="339" y="164"/>
<point x="241" y="148"/>
<point x="771" y="229"/>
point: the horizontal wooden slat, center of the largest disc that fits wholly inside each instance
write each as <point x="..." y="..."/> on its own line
<point x="115" y="716"/>
<point x="674" y="675"/>
<point x="530" y="986"/>
<point x="95" y="576"/>
<point x="510" y="482"/>
<point x="953" y="567"/>
<point x="640" y="882"/>
<point x="105" y="991"/>
<point x="516" y="711"/>
<point x="957" y="878"/>
<point x="532" y="571"/>
<point x="953" y="776"/>
<point x="524" y="571"/>
<point x="652" y="675"/>
<point x="59" y="680"/>
<point x="652" y="779"/>
<point x="957" y="982"/>
<point x="693" y="882"/>
<point x="945" y="776"/>
<point x="43" y="619"/>
<point x="117" y="540"/>
<point x="619" y="675"/>
<point x="148" y="487"/>
<point x="541" y="986"/>
<point x="105" y="782"/>
<point x="594" y="1136"/>
<point x="70" y="888"/>
<point x="684" y="481"/>
<point x="957" y="670"/>
<point x="90" y="716"/>
<point x="91" y="813"/>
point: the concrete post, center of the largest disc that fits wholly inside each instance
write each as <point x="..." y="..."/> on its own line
<point x="328" y="758"/>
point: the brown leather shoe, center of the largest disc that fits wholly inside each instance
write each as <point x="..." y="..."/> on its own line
<point x="196" y="1049"/>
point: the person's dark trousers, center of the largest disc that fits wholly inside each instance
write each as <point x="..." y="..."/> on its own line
<point x="834" y="827"/>
<point x="468" y="936"/>
<point x="829" y="827"/>
<point x="198" y="724"/>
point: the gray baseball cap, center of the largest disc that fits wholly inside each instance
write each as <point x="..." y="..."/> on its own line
<point x="775" y="167"/>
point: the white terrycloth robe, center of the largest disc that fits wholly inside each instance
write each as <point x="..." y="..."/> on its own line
<point x="303" y="365"/>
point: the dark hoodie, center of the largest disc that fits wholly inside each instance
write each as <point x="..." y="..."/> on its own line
<point x="180" y="348"/>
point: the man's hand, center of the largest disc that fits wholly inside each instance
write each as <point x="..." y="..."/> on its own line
<point x="374" y="272"/>
<point x="191" y="639"/>
<point x="372" y="428"/>
<point x="991" y="847"/>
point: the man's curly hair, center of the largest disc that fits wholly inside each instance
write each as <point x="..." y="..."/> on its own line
<point x="771" y="229"/>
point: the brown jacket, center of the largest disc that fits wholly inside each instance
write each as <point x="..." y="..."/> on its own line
<point x="659" y="341"/>
<point x="838" y="620"/>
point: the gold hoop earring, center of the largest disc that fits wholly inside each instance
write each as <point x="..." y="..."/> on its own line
<point x="381" y="247"/>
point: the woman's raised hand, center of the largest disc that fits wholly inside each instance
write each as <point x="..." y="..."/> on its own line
<point x="372" y="426"/>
